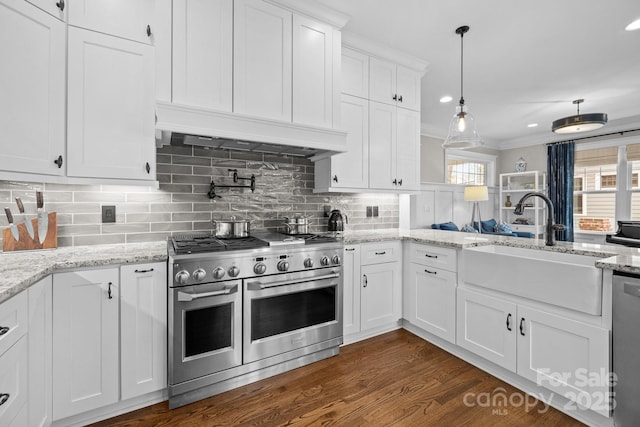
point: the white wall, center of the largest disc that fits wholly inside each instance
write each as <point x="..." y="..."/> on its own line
<point x="535" y="155"/>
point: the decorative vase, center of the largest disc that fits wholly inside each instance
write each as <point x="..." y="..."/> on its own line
<point x="508" y="202"/>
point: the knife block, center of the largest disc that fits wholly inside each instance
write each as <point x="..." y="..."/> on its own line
<point x="25" y="242"/>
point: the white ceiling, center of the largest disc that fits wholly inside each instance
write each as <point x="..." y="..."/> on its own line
<point x="524" y="61"/>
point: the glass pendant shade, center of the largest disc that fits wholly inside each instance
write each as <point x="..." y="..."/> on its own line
<point x="462" y="130"/>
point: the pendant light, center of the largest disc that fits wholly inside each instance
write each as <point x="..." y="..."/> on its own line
<point x="579" y="122"/>
<point x="462" y="129"/>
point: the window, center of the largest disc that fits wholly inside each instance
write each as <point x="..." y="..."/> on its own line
<point x="469" y="168"/>
<point x="607" y="181"/>
<point x="578" y="197"/>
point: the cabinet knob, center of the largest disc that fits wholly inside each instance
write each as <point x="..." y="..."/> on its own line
<point x="60" y="5"/>
<point x="335" y="178"/>
<point x="3" y="398"/>
<point x="395" y="97"/>
<point x="4" y="330"/>
<point x="400" y="98"/>
<point x="400" y="182"/>
<point x="148" y="167"/>
<point x="58" y="161"/>
<point x="148" y="30"/>
<point x="109" y="291"/>
<point x="395" y="182"/>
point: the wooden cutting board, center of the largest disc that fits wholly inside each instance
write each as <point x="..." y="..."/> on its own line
<point x="25" y="242"/>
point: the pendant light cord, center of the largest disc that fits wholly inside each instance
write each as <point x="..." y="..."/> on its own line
<point x="461" y="68"/>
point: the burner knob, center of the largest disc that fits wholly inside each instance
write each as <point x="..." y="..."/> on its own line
<point x="199" y="275"/>
<point x="283" y="266"/>
<point x="234" y="271"/>
<point x="218" y="273"/>
<point x="182" y="277"/>
<point x="324" y="260"/>
<point x="259" y="268"/>
<point x="335" y="259"/>
<point x="308" y="263"/>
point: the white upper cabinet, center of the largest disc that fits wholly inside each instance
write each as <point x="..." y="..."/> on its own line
<point x="32" y="104"/>
<point x="407" y="149"/>
<point x="122" y="18"/>
<point x="355" y="73"/>
<point x="111" y="114"/>
<point x="312" y="72"/>
<point x="393" y="84"/>
<point x="382" y="143"/>
<point x="203" y="53"/>
<point x="57" y="8"/>
<point x="262" y="60"/>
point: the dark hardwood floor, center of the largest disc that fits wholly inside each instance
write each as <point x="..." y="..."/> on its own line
<point x="393" y="379"/>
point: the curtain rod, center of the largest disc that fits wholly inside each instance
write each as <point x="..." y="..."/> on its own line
<point x="622" y="132"/>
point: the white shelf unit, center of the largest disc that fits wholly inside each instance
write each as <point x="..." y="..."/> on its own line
<point x="515" y="185"/>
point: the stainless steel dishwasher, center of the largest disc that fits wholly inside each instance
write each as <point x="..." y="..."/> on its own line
<point x="626" y="348"/>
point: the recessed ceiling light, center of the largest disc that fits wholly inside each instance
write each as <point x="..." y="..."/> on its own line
<point x="446" y="99"/>
<point x="635" y="25"/>
<point x="532" y="125"/>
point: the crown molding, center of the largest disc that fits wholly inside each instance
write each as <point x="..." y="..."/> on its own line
<point x="372" y="48"/>
<point x="314" y="10"/>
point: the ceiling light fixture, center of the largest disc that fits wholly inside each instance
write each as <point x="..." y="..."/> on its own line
<point x="579" y="122"/>
<point x="532" y="125"/>
<point x="462" y="129"/>
<point x="635" y="25"/>
<point x="446" y="99"/>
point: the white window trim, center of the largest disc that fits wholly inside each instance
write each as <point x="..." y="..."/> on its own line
<point x="470" y="156"/>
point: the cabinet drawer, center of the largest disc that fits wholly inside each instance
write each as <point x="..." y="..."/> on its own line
<point x="374" y="253"/>
<point x="13" y="382"/>
<point x="434" y="256"/>
<point x="13" y="321"/>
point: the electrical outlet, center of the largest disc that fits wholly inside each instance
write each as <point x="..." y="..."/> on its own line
<point x="375" y="211"/>
<point x="108" y="214"/>
<point x="369" y="211"/>
<point x="327" y="210"/>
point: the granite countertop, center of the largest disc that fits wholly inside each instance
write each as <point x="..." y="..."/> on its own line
<point x="19" y="270"/>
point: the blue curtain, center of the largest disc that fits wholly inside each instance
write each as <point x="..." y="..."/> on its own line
<point x="560" y="159"/>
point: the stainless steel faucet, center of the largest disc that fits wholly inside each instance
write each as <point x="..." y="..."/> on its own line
<point x="551" y="228"/>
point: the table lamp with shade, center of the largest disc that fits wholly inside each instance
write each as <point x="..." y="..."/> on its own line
<point x="475" y="194"/>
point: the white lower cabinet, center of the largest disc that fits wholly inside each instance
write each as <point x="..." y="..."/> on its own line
<point x="85" y="340"/>
<point x="564" y="355"/>
<point x="143" y="329"/>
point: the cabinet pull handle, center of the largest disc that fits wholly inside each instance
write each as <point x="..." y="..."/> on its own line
<point x="4" y="330"/>
<point x="60" y="5"/>
<point x="509" y="322"/>
<point x="350" y="249"/>
<point x="522" y="326"/>
<point x="335" y="178"/>
<point x="381" y="253"/>
<point x="395" y="97"/>
<point x="3" y="398"/>
<point x="430" y="272"/>
<point x="364" y="276"/>
<point x="148" y="30"/>
<point x="431" y="256"/>
<point x="148" y="167"/>
<point x="58" y="161"/>
<point x="395" y="182"/>
<point x="400" y="182"/>
<point x="109" y="291"/>
<point x="400" y="98"/>
<point x="143" y="271"/>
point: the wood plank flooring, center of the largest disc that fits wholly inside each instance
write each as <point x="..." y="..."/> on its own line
<point x="395" y="379"/>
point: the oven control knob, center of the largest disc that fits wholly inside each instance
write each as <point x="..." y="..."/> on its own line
<point x="324" y="260"/>
<point x="308" y="263"/>
<point x="182" y="277"/>
<point x="199" y="275"/>
<point x="259" y="268"/>
<point x="283" y="266"/>
<point x="218" y="273"/>
<point x="234" y="271"/>
<point x="335" y="259"/>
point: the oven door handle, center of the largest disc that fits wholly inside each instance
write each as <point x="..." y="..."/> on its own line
<point x="256" y="286"/>
<point x="185" y="296"/>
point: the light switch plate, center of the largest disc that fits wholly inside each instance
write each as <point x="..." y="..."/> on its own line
<point x="369" y="211"/>
<point x="108" y="214"/>
<point x="375" y="211"/>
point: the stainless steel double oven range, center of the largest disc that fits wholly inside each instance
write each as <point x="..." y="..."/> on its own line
<point x="245" y="309"/>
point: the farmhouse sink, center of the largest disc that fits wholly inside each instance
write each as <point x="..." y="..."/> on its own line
<point x="566" y="280"/>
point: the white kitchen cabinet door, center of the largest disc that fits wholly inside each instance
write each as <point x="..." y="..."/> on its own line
<point x="351" y="168"/>
<point x="351" y="289"/>
<point x="85" y="341"/>
<point x="355" y="73"/>
<point x="408" y="149"/>
<point x="111" y="107"/>
<point x="32" y="104"/>
<point x="262" y="64"/>
<point x="568" y="357"/>
<point x="381" y="294"/>
<point x="408" y="88"/>
<point x="382" y="142"/>
<point x="13" y="382"/>
<point x="122" y="18"/>
<point x="57" y="8"/>
<point x="40" y="353"/>
<point x="143" y="329"/>
<point x="203" y="53"/>
<point x="382" y="81"/>
<point x="431" y="300"/>
<point x="312" y="72"/>
<point x="487" y="327"/>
